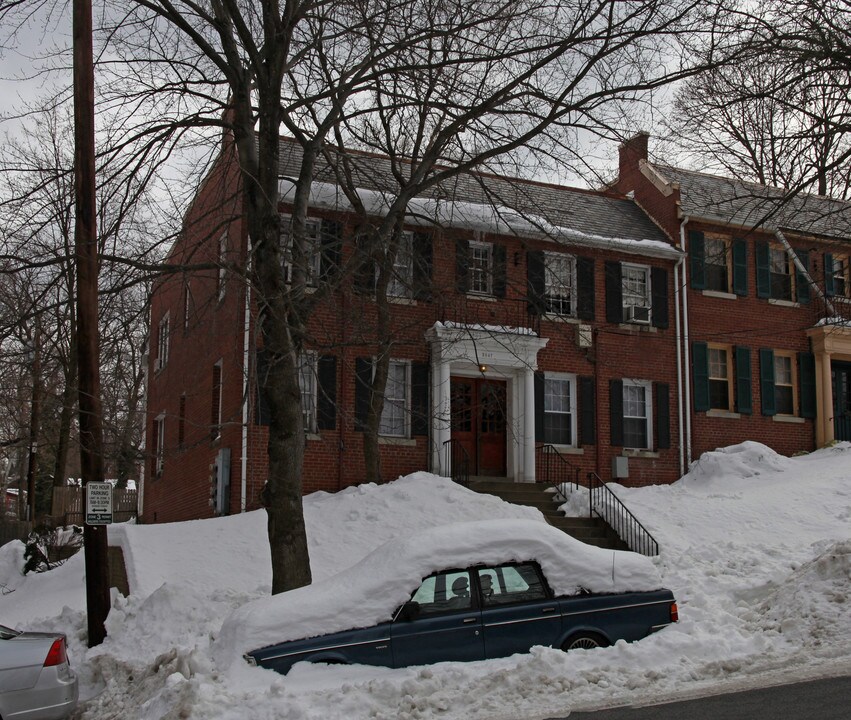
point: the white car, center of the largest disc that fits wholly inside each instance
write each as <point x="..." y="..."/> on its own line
<point x="36" y="680"/>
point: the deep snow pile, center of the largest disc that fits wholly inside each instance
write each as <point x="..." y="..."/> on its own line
<point x="756" y="548"/>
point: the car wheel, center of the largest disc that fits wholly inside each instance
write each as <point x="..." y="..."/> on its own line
<point x="584" y="641"/>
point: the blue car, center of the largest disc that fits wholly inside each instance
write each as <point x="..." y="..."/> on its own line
<point x="480" y="612"/>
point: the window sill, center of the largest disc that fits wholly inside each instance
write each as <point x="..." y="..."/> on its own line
<point x="720" y="295"/>
<point x="635" y="453"/>
<point x="310" y="436"/>
<point x="788" y="419"/>
<point x="783" y="303"/>
<point x="484" y="297"/>
<point x="638" y="327"/>
<point x="397" y="441"/>
<point x="568" y="449"/>
<point x="553" y="317"/>
<point x="723" y="414"/>
<point x="399" y="300"/>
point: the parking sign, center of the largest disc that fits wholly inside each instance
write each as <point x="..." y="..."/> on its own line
<point x="98" y="503"/>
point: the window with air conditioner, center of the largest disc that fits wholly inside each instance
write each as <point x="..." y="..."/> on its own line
<point x="636" y="293"/>
<point x="311" y="250"/>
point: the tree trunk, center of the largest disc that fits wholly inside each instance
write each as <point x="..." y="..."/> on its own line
<point x="69" y="394"/>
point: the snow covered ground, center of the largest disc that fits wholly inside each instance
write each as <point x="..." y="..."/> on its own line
<point x="756" y="547"/>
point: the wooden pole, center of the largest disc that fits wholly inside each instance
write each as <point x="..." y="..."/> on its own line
<point x="88" y="355"/>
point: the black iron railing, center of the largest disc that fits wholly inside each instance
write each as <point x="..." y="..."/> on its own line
<point x="605" y="504"/>
<point x="457" y="462"/>
<point x="553" y="469"/>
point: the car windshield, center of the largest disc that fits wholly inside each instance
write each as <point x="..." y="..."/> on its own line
<point x="7" y="633"/>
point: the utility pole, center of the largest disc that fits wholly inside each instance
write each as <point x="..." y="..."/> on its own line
<point x="35" y="421"/>
<point x="88" y="353"/>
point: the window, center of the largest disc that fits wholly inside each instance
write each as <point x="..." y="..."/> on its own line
<point x="312" y="249"/>
<point x="784" y="383"/>
<point x="216" y="402"/>
<point x="444" y="592"/>
<point x="394" y="417"/>
<point x="307" y="386"/>
<point x="636" y="293"/>
<point x="510" y="584"/>
<point x="481" y="268"/>
<point x="158" y="437"/>
<point x="559" y="409"/>
<point x="637" y="404"/>
<point x="560" y="284"/>
<point x="717" y="253"/>
<point x="162" y="343"/>
<point x="402" y="277"/>
<point x="836" y="267"/>
<point x="220" y="278"/>
<point x="187" y="305"/>
<point x="720" y="378"/>
<point x="780" y="271"/>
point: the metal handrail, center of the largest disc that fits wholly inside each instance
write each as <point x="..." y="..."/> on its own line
<point x="608" y="506"/>
<point x="457" y="460"/>
<point x="554" y="467"/>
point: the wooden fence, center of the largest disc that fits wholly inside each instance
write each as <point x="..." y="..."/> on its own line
<point x="68" y="505"/>
<point x="13" y="530"/>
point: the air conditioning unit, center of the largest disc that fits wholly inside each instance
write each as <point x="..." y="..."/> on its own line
<point x="638" y="314"/>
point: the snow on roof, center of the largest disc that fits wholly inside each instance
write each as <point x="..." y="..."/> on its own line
<point x="370" y="591"/>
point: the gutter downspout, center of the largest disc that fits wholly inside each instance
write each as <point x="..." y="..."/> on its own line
<point x="806" y="273"/>
<point x="685" y="348"/>
<point x="678" y="327"/>
<point x="246" y="390"/>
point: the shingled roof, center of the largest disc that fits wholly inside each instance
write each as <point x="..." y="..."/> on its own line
<point x="750" y="205"/>
<point x="593" y="214"/>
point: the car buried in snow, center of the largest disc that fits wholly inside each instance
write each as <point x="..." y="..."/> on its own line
<point x="463" y="592"/>
<point x="36" y="680"/>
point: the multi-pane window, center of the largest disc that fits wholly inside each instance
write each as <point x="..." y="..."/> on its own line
<point x="784" y="383"/>
<point x="159" y="445"/>
<point x="559" y="406"/>
<point x="216" y="402"/>
<point x="780" y="272"/>
<point x="720" y="378"/>
<point x="307" y="387"/>
<point x="560" y="283"/>
<point x="717" y="255"/>
<point x="394" y="416"/>
<point x="187" y="305"/>
<point x="162" y="343"/>
<point x="839" y="272"/>
<point x="401" y="279"/>
<point x="481" y="268"/>
<point x="311" y="249"/>
<point x="220" y="278"/>
<point x="636" y="414"/>
<point x="636" y="293"/>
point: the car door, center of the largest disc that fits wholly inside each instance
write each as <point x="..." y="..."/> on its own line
<point x="517" y="609"/>
<point x="447" y="625"/>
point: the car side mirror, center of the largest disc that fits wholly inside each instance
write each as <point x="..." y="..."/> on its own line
<point x="410" y="611"/>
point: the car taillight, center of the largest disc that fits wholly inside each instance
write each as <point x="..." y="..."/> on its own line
<point x="675" y="613"/>
<point x="57" y="654"/>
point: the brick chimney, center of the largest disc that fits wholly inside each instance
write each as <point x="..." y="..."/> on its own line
<point x="631" y="151"/>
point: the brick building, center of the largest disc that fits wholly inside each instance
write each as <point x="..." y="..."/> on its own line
<point x="531" y="323"/>
<point x="765" y="307"/>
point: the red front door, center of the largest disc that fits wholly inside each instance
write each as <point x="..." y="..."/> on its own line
<point x="478" y="423"/>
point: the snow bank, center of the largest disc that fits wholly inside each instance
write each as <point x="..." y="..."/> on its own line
<point x="369" y="592"/>
<point x="745" y="460"/>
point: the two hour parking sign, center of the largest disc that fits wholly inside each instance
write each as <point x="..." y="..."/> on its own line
<point x="98" y="503"/>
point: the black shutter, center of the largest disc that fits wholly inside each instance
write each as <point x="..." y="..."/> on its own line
<point x="663" y="415"/>
<point x="499" y="269"/>
<point x="659" y="291"/>
<point x="363" y="390"/>
<point x="587" y="412"/>
<point x="364" y="277"/>
<point x="535" y="288"/>
<point x="585" y="288"/>
<point x="763" y="271"/>
<point x="744" y="399"/>
<point x="420" y="381"/>
<point x="616" y="412"/>
<point x="766" y="381"/>
<point x="697" y="256"/>
<point x="614" y="293"/>
<point x="700" y="375"/>
<point x="539" y="407"/>
<point x="802" y="285"/>
<point x="807" y="383"/>
<point x="330" y="235"/>
<point x="422" y="266"/>
<point x="740" y="267"/>
<point x="262" y="414"/>
<point x="326" y="396"/>
<point x="462" y="265"/>
<point x="828" y="275"/>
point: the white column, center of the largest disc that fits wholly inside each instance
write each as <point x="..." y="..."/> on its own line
<point x="529" y="425"/>
<point x="441" y="406"/>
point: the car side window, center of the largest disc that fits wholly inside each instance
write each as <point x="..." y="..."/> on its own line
<point x="510" y="583"/>
<point x="444" y="592"/>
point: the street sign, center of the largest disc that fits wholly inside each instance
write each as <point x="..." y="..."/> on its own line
<point x="98" y="503"/>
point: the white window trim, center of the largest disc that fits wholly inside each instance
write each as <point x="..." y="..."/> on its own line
<point x="218" y="427"/>
<point x="404" y="286"/>
<point x="222" y="275"/>
<point x="309" y="360"/>
<point x="646" y="301"/>
<point x="489" y="271"/>
<point x="571" y="282"/>
<point x="187" y="304"/>
<point x="159" y="456"/>
<point x="648" y="408"/>
<point x="571" y="378"/>
<point x="406" y="408"/>
<point x="163" y="341"/>
<point x="313" y="265"/>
